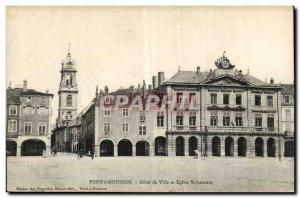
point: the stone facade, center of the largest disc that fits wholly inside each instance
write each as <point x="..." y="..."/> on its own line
<point x="28" y="121"/>
<point x="247" y="113"/>
<point x="288" y="125"/>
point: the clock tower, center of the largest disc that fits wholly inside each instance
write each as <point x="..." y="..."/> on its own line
<point x="68" y="91"/>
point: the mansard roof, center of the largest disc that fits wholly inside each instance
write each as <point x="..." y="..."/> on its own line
<point x="224" y="74"/>
<point x="288" y="89"/>
<point x="34" y="92"/>
<point x="191" y="77"/>
<point x="13" y="95"/>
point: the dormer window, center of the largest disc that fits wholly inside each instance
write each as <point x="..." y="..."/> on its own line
<point x="28" y="99"/>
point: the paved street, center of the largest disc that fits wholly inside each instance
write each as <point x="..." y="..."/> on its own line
<point x="66" y="172"/>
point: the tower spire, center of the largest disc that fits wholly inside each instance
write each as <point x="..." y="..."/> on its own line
<point x="69" y="47"/>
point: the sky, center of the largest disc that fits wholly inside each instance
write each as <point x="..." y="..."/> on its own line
<point x="122" y="46"/>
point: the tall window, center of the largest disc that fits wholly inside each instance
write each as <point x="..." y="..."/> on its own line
<point x="12" y="126"/>
<point x="257" y="100"/>
<point x="238" y="99"/>
<point x="125" y="112"/>
<point x="142" y="118"/>
<point x="238" y="119"/>
<point x="213" y="98"/>
<point x="226" y="99"/>
<point x="42" y="99"/>
<point x="192" y="97"/>
<point x="226" y="119"/>
<point x="179" y="97"/>
<point x="213" y="118"/>
<point x="69" y="100"/>
<point x="179" y="119"/>
<point x="270" y="101"/>
<point x="27" y="128"/>
<point x="258" y="120"/>
<point x="107" y="112"/>
<point x="124" y="127"/>
<point x="286" y="99"/>
<point x="13" y="110"/>
<point x="142" y="130"/>
<point x="42" y="128"/>
<point x="192" y="120"/>
<point x="106" y="127"/>
<point x="160" y="119"/>
<point x="270" y="121"/>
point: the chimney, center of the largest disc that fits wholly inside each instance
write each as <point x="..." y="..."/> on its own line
<point x="272" y="81"/>
<point x="106" y="89"/>
<point x="144" y="87"/>
<point x="97" y="93"/>
<point x="198" y="70"/>
<point x="47" y="91"/>
<point x="161" y="78"/>
<point x="154" y="82"/>
<point x="25" y="85"/>
<point x="139" y="87"/>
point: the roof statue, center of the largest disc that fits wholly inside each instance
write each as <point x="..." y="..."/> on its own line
<point x="224" y="63"/>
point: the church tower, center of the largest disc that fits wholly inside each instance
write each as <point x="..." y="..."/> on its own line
<point x="67" y="108"/>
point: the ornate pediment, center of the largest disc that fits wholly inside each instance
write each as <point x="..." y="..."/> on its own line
<point x="226" y="80"/>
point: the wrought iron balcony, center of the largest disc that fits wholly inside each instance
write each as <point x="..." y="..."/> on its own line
<point x="186" y="128"/>
<point x="223" y="129"/>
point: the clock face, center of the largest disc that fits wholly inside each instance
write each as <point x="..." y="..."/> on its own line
<point x="225" y="64"/>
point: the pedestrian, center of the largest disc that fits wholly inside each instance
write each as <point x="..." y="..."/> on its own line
<point x="196" y="154"/>
<point x="92" y="152"/>
<point x="80" y="152"/>
<point x="44" y="153"/>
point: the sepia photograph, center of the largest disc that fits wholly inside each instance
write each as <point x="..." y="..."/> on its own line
<point x="150" y="99"/>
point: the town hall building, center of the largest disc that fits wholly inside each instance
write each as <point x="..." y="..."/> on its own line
<point x="234" y="114"/>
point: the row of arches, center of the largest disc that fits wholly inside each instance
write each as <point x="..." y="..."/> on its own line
<point x="31" y="147"/>
<point x="124" y="147"/>
<point x="35" y="147"/>
<point x="229" y="146"/>
<point x="242" y="147"/>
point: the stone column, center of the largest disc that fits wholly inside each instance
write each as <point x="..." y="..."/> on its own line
<point x="151" y="150"/>
<point x="222" y="146"/>
<point x="48" y="153"/>
<point x="115" y="150"/>
<point x="249" y="144"/>
<point x="265" y="147"/>
<point x="235" y="147"/>
<point x="133" y="150"/>
<point x="186" y="146"/>
<point x="18" y="154"/>
<point x="97" y="150"/>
